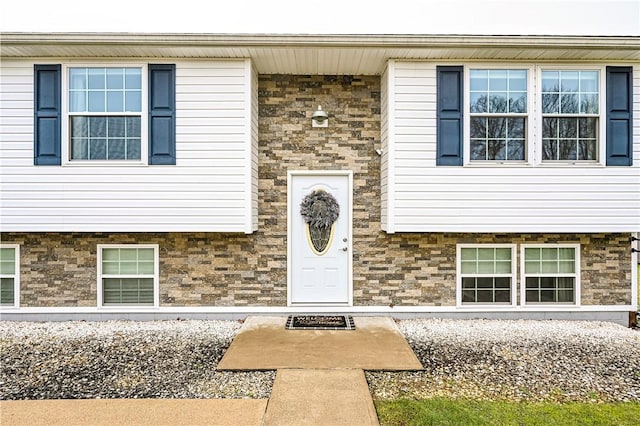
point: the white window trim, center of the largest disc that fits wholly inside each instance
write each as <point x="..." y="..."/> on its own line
<point x="513" y="275"/>
<point x="602" y="105"/>
<point x="529" y="151"/>
<point x="16" y="277"/>
<point x="144" y="117"/>
<point x="523" y="275"/>
<point x="156" y="276"/>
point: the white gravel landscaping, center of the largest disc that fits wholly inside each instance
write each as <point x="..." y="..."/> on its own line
<point x="481" y="359"/>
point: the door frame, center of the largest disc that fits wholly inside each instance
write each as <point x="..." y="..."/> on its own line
<point x="349" y="175"/>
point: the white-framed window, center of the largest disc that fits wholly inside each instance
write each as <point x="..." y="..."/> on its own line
<point x="105" y="114"/>
<point x="550" y="274"/>
<point x="498" y="110"/>
<point x="570" y="107"/>
<point x="534" y="114"/>
<point x="486" y="274"/>
<point x="128" y="275"/>
<point x="9" y="275"/>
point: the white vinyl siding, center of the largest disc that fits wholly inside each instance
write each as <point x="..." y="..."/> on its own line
<point x="423" y="197"/>
<point x="210" y="189"/>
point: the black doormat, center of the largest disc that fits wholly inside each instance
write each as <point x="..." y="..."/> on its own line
<point x="320" y="322"/>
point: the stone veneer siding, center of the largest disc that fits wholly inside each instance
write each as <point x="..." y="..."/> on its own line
<point x="218" y="269"/>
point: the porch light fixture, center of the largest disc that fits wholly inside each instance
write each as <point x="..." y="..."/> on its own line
<point x="319" y="118"/>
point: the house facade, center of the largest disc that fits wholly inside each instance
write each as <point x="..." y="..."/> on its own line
<point x="160" y="176"/>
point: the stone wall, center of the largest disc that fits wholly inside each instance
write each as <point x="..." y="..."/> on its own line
<point x="207" y="269"/>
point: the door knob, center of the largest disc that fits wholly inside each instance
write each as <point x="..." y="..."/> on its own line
<point x="344" y="249"/>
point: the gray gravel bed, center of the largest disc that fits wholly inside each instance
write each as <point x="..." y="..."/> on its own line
<point x="122" y="359"/>
<point x="517" y="360"/>
<point x="514" y="360"/>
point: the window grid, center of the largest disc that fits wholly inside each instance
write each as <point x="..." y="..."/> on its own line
<point x="128" y="275"/>
<point x="570" y="115"/>
<point x="498" y="111"/>
<point x="550" y="274"/>
<point x="105" y="107"/>
<point x="486" y="274"/>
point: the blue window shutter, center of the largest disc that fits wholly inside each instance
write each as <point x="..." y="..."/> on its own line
<point x="619" y="116"/>
<point x="449" y="116"/>
<point x="47" y="115"/>
<point x="162" y="114"/>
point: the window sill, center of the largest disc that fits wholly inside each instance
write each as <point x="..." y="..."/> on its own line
<point x="90" y="164"/>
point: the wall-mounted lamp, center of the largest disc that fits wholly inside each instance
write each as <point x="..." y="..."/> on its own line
<point x="319" y="118"/>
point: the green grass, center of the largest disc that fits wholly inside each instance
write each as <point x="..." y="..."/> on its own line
<point x="441" y="411"/>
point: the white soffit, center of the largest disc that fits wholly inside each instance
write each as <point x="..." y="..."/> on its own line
<point x="320" y="54"/>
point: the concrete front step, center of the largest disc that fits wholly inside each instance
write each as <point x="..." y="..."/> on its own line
<point x="264" y="344"/>
<point x="320" y="397"/>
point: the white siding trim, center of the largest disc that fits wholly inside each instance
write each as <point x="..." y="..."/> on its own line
<point x="389" y="153"/>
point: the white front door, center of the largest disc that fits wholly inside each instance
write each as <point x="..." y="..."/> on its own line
<point x="320" y="258"/>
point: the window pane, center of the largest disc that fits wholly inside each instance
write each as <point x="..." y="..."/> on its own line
<point x="569" y="81"/>
<point x="98" y="149"/>
<point x="7" y="291"/>
<point x="486" y="254"/>
<point x="96" y="101"/>
<point x="486" y="267"/>
<point x="589" y="104"/>
<point x="550" y="81"/>
<point x="133" y="149"/>
<point x="468" y="267"/>
<point x="518" y="102"/>
<point x="133" y="78"/>
<point x="133" y="101"/>
<point x="7" y="261"/>
<point x="468" y="296"/>
<point x="77" y="101"/>
<point x="146" y="254"/>
<point x="569" y="103"/>
<point x="116" y="127"/>
<point x="478" y="102"/>
<point x="532" y="267"/>
<point x="498" y="102"/>
<point x="566" y="253"/>
<point x="496" y="150"/>
<point x="116" y="149"/>
<point x="503" y="253"/>
<point x="77" y="78"/>
<point x="497" y="128"/>
<point x="115" y="78"/>
<point x="550" y="103"/>
<point x="115" y="101"/>
<point x="110" y="268"/>
<point x="96" y="78"/>
<point x="549" y="254"/>
<point x="497" y="80"/>
<point x="80" y="149"/>
<point x="503" y="267"/>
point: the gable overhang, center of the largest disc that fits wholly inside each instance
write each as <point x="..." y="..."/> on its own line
<point x="321" y="54"/>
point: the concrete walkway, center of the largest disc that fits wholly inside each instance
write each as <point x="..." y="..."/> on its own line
<point x="320" y="381"/>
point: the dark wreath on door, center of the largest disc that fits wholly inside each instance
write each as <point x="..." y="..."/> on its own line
<point x="320" y="210"/>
